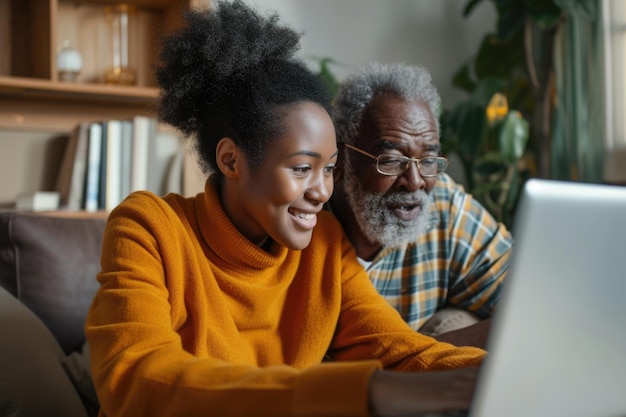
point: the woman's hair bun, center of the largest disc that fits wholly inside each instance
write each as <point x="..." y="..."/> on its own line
<point x="218" y="47"/>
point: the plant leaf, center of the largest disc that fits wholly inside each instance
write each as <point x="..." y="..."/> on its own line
<point x="494" y="58"/>
<point x="470" y="6"/>
<point x="543" y="6"/>
<point x="486" y="88"/>
<point x="546" y="21"/>
<point x="463" y="79"/>
<point x="489" y="165"/>
<point x="513" y="137"/>
<point x="468" y="119"/>
<point x="511" y="20"/>
<point x="327" y="75"/>
<point x="582" y="8"/>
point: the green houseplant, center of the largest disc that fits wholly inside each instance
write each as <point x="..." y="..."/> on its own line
<point x="491" y="141"/>
<point x="502" y="132"/>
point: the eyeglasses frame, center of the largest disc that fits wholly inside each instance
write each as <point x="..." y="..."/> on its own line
<point x="416" y="160"/>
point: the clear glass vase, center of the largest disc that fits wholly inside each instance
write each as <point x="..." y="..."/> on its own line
<point x="119" y="19"/>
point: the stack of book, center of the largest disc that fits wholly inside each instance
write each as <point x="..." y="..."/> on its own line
<point x="104" y="161"/>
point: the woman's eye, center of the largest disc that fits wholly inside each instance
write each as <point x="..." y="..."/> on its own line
<point x="330" y="169"/>
<point x="302" y="169"/>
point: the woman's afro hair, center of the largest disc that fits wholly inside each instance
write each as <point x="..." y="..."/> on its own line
<point x="227" y="73"/>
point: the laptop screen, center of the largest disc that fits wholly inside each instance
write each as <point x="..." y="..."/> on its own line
<point x="557" y="346"/>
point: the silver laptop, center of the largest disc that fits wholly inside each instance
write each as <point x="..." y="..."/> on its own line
<point x="558" y="341"/>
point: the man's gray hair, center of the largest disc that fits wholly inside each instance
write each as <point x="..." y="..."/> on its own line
<point x="360" y="88"/>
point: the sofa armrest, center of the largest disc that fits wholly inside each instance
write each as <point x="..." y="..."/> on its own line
<point x="50" y="264"/>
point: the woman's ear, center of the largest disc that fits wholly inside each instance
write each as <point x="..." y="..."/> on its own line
<point x="227" y="155"/>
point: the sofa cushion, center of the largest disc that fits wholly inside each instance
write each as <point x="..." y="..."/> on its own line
<point x="50" y="264"/>
<point x="33" y="381"/>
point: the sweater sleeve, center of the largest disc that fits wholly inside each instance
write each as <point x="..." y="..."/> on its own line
<point x="142" y="363"/>
<point x="370" y="328"/>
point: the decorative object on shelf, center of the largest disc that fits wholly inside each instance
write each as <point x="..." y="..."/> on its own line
<point x="69" y="62"/>
<point x="38" y="201"/>
<point x="120" y="72"/>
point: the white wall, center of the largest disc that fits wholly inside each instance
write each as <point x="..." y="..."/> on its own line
<point x="432" y="33"/>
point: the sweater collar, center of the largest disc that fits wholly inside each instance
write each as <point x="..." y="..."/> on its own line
<point x="225" y="240"/>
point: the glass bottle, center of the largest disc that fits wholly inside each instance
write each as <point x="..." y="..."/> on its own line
<point x="119" y="72"/>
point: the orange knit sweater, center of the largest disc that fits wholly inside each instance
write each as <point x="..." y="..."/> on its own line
<point x="192" y="319"/>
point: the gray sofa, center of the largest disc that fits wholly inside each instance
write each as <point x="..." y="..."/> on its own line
<point x="48" y="267"/>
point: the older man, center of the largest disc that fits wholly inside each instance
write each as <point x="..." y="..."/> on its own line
<point x="430" y="249"/>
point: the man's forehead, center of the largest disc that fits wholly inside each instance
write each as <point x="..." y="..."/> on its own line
<point x="414" y="111"/>
<point x="400" y="127"/>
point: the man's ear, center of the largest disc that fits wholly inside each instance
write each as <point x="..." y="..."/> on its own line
<point x="228" y="157"/>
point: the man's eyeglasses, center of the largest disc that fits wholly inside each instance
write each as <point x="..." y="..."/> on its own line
<point x="387" y="164"/>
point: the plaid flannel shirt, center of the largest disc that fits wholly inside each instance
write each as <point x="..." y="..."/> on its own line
<point x="460" y="261"/>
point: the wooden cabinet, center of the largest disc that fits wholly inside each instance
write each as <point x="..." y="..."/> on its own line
<point x="37" y="109"/>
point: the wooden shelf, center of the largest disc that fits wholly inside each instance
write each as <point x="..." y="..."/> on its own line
<point x="147" y="4"/>
<point x="32" y="99"/>
<point x="22" y="87"/>
<point x="59" y="116"/>
<point x="82" y="214"/>
<point x="37" y="110"/>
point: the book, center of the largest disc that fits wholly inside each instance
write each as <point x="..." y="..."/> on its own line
<point x="38" y="201"/>
<point x="144" y="132"/>
<point x="77" y="187"/>
<point x="70" y="182"/>
<point x="126" y="158"/>
<point x="102" y="178"/>
<point x="164" y="153"/>
<point x="64" y="176"/>
<point x="112" y="160"/>
<point x="92" y="182"/>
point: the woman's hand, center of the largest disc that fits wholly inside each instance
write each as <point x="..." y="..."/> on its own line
<point x="413" y="393"/>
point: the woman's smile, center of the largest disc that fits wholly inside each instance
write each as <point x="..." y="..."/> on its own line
<point x="304" y="219"/>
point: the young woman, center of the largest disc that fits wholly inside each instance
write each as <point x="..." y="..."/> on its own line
<point x="227" y="303"/>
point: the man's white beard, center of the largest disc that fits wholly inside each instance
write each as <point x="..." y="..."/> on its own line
<point x="377" y="222"/>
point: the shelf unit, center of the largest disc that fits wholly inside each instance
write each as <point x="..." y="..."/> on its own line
<point x="37" y="110"/>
